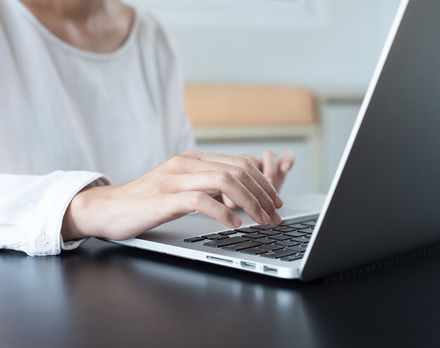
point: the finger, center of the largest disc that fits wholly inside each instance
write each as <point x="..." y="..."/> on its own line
<point x="257" y="163"/>
<point x="190" y="201"/>
<point x="280" y="178"/>
<point x="226" y="201"/>
<point x="190" y="164"/>
<point x="225" y="182"/>
<point x="270" y="166"/>
<point x="245" y="164"/>
<point x="286" y="162"/>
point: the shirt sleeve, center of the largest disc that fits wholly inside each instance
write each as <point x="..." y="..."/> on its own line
<point x="32" y="209"/>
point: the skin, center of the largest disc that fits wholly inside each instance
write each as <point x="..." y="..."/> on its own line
<point x="186" y="183"/>
<point x="273" y="168"/>
<point x="99" y="26"/>
<point x="211" y="184"/>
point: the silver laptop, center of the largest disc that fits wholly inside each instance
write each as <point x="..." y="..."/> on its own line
<point x="385" y="196"/>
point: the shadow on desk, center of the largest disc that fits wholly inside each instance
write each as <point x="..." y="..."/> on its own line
<point x="114" y="296"/>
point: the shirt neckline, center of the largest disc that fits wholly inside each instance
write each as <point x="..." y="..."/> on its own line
<point x="76" y="50"/>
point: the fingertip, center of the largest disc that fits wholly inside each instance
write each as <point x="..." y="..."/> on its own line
<point x="288" y="157"/>
<point x="267" y="153"/>
<point x="236" y="222"/>
<point x="278" y="219"/>
<point x="278" y="201"/>
<point x="286" y="163"/>
<point x="288" y="154"/>
<point x="265" y="218"/>
<point x="286" y="166"/>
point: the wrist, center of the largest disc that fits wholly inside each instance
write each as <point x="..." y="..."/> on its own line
<point x="82" y="216"/>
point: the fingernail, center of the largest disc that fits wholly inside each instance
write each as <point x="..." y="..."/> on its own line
<point x="236" y="222"/>
<point x="265" y="218"/>
<point x="278" y="201"/>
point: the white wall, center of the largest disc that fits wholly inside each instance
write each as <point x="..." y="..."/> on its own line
<point x="339" y="52"/>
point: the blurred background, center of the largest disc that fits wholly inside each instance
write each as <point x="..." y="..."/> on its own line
<point x="277" y="74"/>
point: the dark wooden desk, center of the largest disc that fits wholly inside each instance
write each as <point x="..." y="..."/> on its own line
<point x="104" y="295"/>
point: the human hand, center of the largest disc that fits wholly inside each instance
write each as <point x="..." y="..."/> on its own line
<point x="184" y="184"/>
<point x="273" y="168"/>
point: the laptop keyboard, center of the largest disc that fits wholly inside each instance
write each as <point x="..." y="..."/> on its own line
<point x="286" y="242"/>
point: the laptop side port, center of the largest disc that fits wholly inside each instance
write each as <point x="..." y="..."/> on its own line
<point x="247" y="265"/>
<point x="218" y="259"/>
<point x="270" y="270"/>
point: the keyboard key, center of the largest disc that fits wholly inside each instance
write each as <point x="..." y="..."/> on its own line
<point x="303" y="239"/>
<point x="253" y="251"/>
<point x="298" y="225"/>
<point x="224" y="242"/>
<point x="227" y="233"/>
<point x="194" y="239"/>
<point x="307" y="230"/>
<point x="241" y="246"/>
<point x="279" y="254"/>
<point x="287" y="243"/>
<point x="255" y="235"/>
<point x="270" y="232"/>
<point x="283" y="229"/>
<point x="266" y="241"/>
<point x="271" y="247"/>
<point x="295" y="234"/>
<point x="298" y="248"/>
<point x="309" y="223"/>
<point x="289" y="222"/>
<point x="246" y="230"/>
<point x="263" y="227"/>
<point x="214" y="236"/>
<point x="280" y="237"/>
<point x="291" y="258"/>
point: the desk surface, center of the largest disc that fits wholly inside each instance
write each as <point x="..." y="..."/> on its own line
<point x="104" y="295"/>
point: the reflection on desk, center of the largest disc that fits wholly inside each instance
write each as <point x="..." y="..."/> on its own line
<point x="111" y="296"/>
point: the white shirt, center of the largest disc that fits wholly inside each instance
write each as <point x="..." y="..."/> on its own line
<point x="67" y="115"/>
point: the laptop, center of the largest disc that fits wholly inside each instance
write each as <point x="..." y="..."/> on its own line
<point x="385" y="197"/>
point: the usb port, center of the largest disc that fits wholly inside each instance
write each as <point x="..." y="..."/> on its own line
<point x="270" y="270"/>
<point x="247" y="265"/>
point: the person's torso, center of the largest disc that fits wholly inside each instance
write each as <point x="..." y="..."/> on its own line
<point x="64" y="108"/>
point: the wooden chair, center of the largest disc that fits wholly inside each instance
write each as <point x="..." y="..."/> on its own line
<point x="255" y="112"/>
